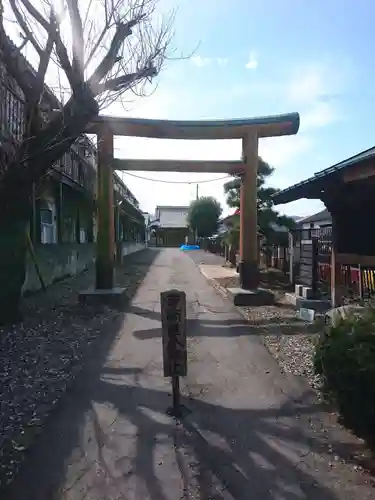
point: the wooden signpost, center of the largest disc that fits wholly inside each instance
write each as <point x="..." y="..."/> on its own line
<point x="173" y="313"/>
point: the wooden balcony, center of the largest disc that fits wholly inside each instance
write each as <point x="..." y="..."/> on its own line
<point x="78" y="166"/>
<point x="11" y="113"/>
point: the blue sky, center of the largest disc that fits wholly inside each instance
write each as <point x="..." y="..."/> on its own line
<point x="253" y="58"/>
<point x="312" y="57"/>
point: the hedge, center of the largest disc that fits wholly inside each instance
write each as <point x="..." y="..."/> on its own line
<point x="345" y="360"/>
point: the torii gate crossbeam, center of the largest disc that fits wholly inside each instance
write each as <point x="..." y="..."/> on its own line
<point x="249" y="130"/>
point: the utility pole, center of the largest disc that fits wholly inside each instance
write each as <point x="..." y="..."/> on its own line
<point x="197" y="192"/>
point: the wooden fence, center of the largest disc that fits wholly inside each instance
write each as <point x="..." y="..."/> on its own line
<point x="312" y="250"/>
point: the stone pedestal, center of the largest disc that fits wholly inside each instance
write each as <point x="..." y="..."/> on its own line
<point x="255" y="297"/>
<point x="115" y="297"/>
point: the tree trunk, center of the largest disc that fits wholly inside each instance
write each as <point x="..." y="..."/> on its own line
<point x="41" y="148"/>
<point x="12" y="267"/>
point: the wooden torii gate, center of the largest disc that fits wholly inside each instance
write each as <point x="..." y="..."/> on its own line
<point x="249" y="130"/>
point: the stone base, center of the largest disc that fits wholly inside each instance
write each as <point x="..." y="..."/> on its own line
<point x="319" y="305"/>
<point x="116" y="297"/>
<point x="249" y="275"/>
<point x="257" y="297"/>
<point x="333" y="316"/>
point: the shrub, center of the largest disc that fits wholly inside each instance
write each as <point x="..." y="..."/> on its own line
<point x="345" y="360"/>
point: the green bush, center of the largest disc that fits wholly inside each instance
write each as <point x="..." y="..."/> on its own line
<point x="345" y="360"/>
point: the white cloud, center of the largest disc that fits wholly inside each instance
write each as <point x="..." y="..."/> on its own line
<point x="318" y="115"/>
<point x="313" y="89"/>
<point x="280" y="151"/>
<point x="306" y="92"/>
<point x="307" y="84"/>
<point x="201" y="62"/>
<point x="222" y="61"/>
<point x="252" y="63"/>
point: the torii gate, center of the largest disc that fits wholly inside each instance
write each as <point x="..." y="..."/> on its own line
<point x="249" y="130"/>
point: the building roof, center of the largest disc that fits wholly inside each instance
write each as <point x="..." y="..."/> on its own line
<point x="171" y="207"/>
<point x="323" y="215"/>
<point x="312" y="187"/>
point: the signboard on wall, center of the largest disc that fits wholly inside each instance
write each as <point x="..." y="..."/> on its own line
<point x="308" y="263"/>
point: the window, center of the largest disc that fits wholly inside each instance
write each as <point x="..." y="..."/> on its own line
<point x="47" y="225"/>
<point x="46" y="216"/>
<point x="82" y="235"/>
<point x="11" y="111"/>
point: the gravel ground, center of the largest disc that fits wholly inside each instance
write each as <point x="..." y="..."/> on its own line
<point x="40" y="357"/>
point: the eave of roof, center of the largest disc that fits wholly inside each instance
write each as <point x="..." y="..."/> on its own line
<point x="323" y="215"/>
<point x="311" y="187"/>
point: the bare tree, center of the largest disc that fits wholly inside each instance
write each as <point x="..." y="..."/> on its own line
<point x="98" y="50"/>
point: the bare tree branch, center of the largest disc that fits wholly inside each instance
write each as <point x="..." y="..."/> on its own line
<point x="124" y="39"/>
<point x="122" y="32"/>
<point x="77" y="37"/>
<point x="36" y="14"/>
<point x="45" y="57"/>
<point x="23" y="25"/>
<point x="124" y="82"/>
<point x="61" y="51"/>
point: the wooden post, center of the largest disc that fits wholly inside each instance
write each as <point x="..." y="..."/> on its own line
<point x="78" y="225"/>
<point x="360" y="284"/>
<point x="248" y="266"/>
<point x="315" y="266"/>
<point x="336" y="275"/>
<point x="60" y="213"/>
<point x="106" y="237"/>
<point x="173" y="315"/>
<point x="34" y="221"/>
<point x="291" y="257"/>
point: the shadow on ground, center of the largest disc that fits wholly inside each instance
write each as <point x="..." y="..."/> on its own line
<point x="60" y="310"/>
<point x="257" y="453"/>
<point x="238" y="328"/>
<point x="255" y="466"/>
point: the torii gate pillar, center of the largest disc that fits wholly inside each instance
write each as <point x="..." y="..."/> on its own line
<point x="248" y="265"/>
<point x="249" y="130"/>
<point x="105" y="253"/>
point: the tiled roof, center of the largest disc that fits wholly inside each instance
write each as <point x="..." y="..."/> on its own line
<point x="311" y="187"/>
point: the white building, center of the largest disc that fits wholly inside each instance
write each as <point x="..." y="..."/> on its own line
<point x="170" y="226"/>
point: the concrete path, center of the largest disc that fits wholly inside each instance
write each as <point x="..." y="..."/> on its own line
<point x="251" y="433"/>
<point x="212" y="272"/>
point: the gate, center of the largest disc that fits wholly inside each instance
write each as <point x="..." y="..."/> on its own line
<point x="314" y="248"/>
<point x="308" y="261"/>
<point x="312" y="251"/>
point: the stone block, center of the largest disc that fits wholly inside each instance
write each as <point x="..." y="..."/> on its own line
<point x="307" y="292"/>
<point x="257" y="297"/>
<point x="298" y="290"/>
<point x="333" y="316"/>
<point x="319" y="305"/>
<point x="115" y="297"/>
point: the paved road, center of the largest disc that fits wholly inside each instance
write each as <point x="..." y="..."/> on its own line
<point x="249" y="434"/>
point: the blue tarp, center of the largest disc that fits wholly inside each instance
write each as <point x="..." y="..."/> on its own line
<point x="190" y="247"/>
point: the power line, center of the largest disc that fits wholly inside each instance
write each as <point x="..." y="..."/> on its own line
<point x="176" y="182"/>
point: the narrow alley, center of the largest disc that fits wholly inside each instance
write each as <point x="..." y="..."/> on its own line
<point x="249" y="431"/>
